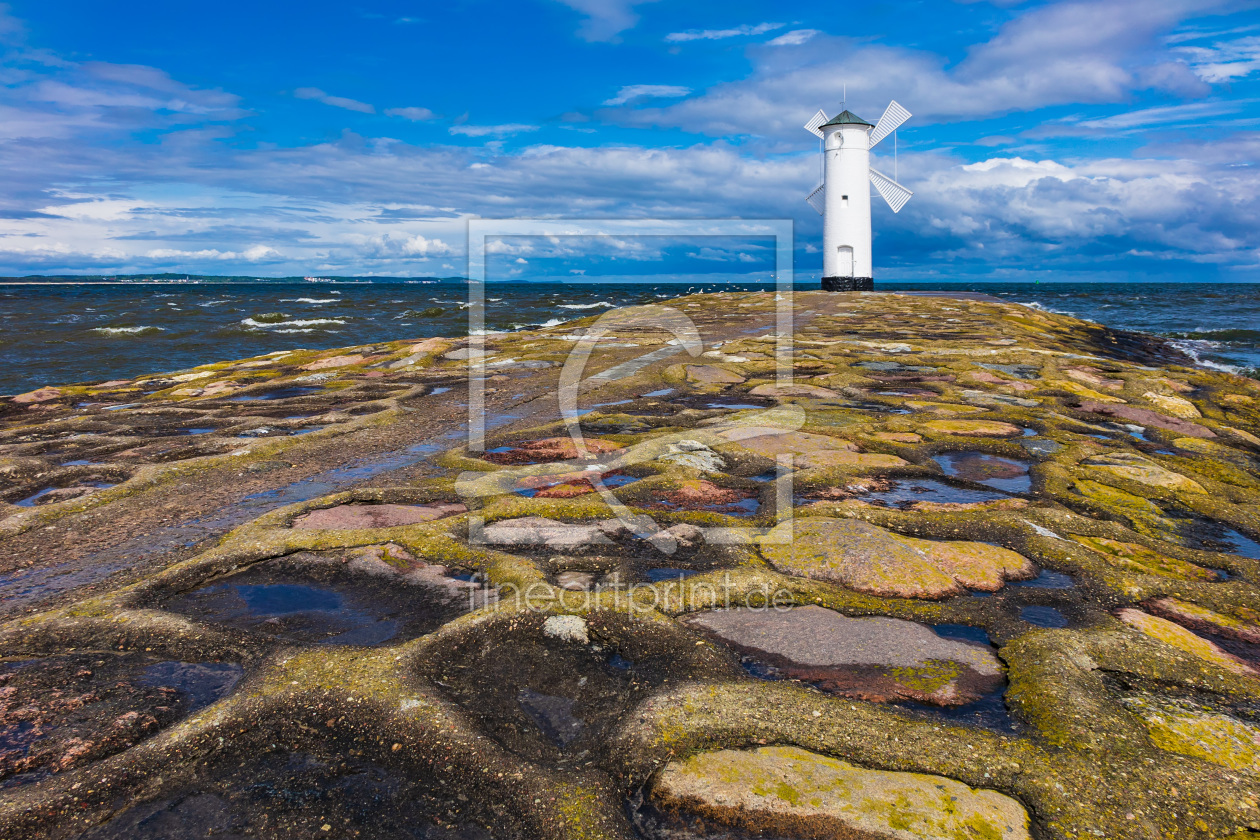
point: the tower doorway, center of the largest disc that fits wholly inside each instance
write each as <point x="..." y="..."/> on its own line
<point x="844" y="263"/>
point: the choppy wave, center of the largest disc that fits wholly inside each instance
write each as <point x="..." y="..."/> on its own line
<point x="310" y="300"/>
<point x="586" y="305"/>
<point x="1041" y="306"/>
<point x="286" y="326"/>
<point x="145" y="330"/>
<point x="1236" y="336"/>
<point x="1196" y="348"/>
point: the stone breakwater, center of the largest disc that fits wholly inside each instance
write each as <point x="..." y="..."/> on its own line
<point x="975" y="571"/>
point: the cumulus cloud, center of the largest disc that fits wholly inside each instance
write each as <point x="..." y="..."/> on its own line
<point x="605" y="19"/>
<point x="634" y="93"/>
<point x="719" y="34"/>
<point x="335" y="101"/>
<point x="413" y="114"/>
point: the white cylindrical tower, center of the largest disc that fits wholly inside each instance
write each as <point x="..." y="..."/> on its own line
<point x="847" y="204"/>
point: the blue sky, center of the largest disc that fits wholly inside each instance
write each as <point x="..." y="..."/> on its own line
<point x="1071" y="140"/>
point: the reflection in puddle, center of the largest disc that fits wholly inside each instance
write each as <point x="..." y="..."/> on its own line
<point x="202" y="683"/>
<point x="1043" y="616"/>
<point x="1207" y="535"/>
<point x="340" y="608"/>
<point x="905" y="494"/>
<point x="312" y="613"/>
<point x="51" y="495"/>
<point x="279" y="393"/>
<point x="669" y="573"/>
<point x="1046" y="580"/>
<point x="1004" y="474"/>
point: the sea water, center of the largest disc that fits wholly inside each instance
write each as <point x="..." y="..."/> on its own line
<point x="92" y="332"/>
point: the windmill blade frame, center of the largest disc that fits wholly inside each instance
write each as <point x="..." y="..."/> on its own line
<point x="816" y="122"/>
<point x="894" y="115"/>
<point x="895" y="194"/>
<point x="816" y="199"/>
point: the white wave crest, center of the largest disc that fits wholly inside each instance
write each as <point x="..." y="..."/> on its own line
<point x="126" y="330"/>
<point x="310" y="300"/>
<point x="1195" y="347"/>
<point x="283" y="326"/>
<point x="587" y="305"/>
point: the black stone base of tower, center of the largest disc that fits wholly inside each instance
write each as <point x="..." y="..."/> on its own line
<point x="848" y="284"/>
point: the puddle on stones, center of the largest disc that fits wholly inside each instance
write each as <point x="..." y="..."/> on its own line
<point x="1040" y="616"/>
<point x="62" y="712"/>
<point x="1208" y="535"/>
<point x="904" y="493"/>
<point x="1005" y="474"/>
<point x="279" y="393"/>
<point x="550" y="489"/>
<point x="1047" y="579"/>
<point x="281" y="792"/>
<point x="51" y="495"/>
<point x="324" y="603"/>
<point x="921" y="688"/>
<point x="990" y="710"/>
<point x="716" y="500"/>
<point x="669" y="573"/>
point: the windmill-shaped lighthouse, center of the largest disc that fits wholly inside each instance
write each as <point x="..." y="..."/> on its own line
<point x="844" y="197"/>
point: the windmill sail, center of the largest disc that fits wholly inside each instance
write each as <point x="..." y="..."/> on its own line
<point x="894" y="116"/>
<point x="816" y="122"/>
<point x="895" y="194"/>
<point x="815" y="199"/>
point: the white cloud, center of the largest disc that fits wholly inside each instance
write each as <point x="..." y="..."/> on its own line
<point x="605" y="19"/>
<point x="1224" y="61"/>
<point x="256" y="253"/>
<point x="491" y="130"/>
<point x="719" y="34"/>
<point x="795" y="37"/>
<point x="630" y="93"/>
<point x="334" y="101"/>
<point x="413" y="114"/>
<point x="1067" y="52"/>
<point x="1166" y="115"/>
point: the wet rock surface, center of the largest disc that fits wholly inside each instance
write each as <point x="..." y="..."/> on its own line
<point x="1015" y="557"/>
<point x="61" y="712"/>
<point x="881" y="659"/>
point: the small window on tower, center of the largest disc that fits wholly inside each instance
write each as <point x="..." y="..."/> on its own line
<point x="844" y="201"/>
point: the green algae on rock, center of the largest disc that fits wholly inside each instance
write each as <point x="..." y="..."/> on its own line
<point x="1182" y="727"/>
<point x="787" y="790"/>
<point x="868" y="558"/>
